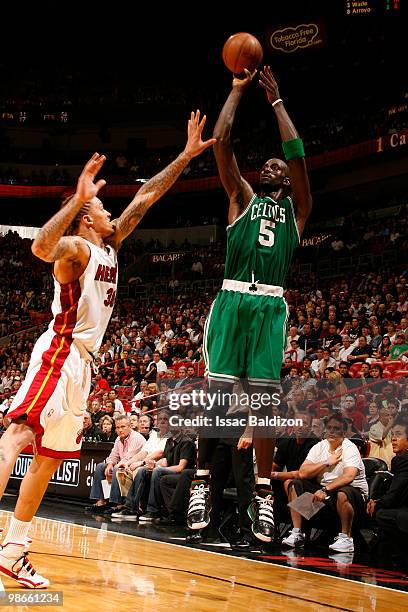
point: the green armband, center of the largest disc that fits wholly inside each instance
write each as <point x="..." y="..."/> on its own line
<point x="293" y="149"/>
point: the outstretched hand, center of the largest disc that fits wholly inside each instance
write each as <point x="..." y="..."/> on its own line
<point x="195" y="145"/>
<point x="86" y="187"/>
<point x="269" y="84"/>
<point x="243" y="83"/>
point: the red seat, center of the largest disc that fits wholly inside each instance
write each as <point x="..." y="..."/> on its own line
<point x="399" y="373"/>
<point x="396" y="364"/>
<point x="124" y="392"/>
<point x="355" y="369"/>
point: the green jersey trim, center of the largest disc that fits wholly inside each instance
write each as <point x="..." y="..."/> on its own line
<point x="294" y="217"/>
<point x="244" y="212"/>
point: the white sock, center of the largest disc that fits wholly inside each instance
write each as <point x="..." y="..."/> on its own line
<point x="263" y="481"/>
<point x="202" y="472"/>
<point x="296" y="530"/>
<point x="17" y="531"/>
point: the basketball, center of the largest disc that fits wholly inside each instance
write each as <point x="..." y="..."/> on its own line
<point x="242" y="51"/>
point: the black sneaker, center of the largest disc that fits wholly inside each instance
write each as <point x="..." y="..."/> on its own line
<point x="99" y="509"/>
<point x="247" y="542"/>
<point x="260" y="512"/>
<point x="199" y="507"/>
<point x="149" y="517"/>
<point x="126" y="515"/>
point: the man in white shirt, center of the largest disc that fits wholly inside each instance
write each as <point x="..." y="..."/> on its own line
<point x="345" y="350"/>
<point x="161" y="367"/>
<point x="334" y="472"/>
<point x="113" y="396"/>
<point x="295" y="353"/>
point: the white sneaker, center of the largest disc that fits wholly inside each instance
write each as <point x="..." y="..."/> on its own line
<point x="342" y="543"/>
<point x="295" y="538"/>
<point x="14" y="563"/>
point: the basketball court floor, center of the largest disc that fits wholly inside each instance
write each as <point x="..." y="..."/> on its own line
<point x="101" y="565"/>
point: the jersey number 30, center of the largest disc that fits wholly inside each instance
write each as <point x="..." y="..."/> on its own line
<point x="110" y="297"/>
<point x="266" y="235"/>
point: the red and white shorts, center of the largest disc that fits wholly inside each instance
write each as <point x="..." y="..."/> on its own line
<point x="52" y="399"/>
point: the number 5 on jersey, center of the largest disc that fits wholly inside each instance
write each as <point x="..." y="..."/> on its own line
<point x="266" y="235"/>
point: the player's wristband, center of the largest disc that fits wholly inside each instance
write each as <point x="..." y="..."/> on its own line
<point x="293" y="149"/>
<point x="277" y="102"/>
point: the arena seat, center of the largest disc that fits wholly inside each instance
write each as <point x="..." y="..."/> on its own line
<point x="355" y="369"/>
<point x="394" y="365"/>
<point x="399" y="373"/>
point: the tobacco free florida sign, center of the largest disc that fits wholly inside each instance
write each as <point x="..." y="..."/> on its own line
<point x="293" y="38"/>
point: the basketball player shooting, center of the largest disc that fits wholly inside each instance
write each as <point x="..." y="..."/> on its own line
<point x="246" y="327"/>
<point x="81" y="242"/>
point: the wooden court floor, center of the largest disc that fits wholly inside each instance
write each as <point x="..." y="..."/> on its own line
<point x="99" y="570"/>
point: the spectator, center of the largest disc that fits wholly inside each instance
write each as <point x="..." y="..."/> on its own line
<point x="380" y="437"/>
<point x="390" y="510"/>
<point x="107" y="427"/>
<point x="362" y="351"/>
<point x="127" y="444"/>
<point x="334" y="469"/>
<point x="90" y="431"/>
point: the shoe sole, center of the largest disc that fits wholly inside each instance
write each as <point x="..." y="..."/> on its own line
<point x="294" y="545"/>
<point x="201" y="525"/>
<point x="124" y="518"/>
<point x="349" y="550"/>
<point x="261" y="536"/>
<point x="23" y="581"/>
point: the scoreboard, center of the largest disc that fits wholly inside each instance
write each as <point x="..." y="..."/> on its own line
<point x="372" y="7"/>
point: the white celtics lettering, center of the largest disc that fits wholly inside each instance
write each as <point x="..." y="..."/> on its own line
<point x="274" y="214"/>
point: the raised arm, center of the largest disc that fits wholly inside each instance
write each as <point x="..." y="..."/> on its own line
<point x="50" y="244"/>
<point x="299" y="179"/>
<point x="151" y="191"/>
<point x="238" y="190"/>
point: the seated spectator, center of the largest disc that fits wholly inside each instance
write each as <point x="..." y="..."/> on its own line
<point x="362" y="352"/>
<point x="90" y="431"/>
<point x="291" y="452"/>
<point x="390" y="510"/>
<point x="399" y="349"/>
<point x="134" y="421"/>
<point x="380" y="437"/>
<point x="295" y="353"/>
<point x="96" y="411"/>
<point x="333" y="469"/>
<point x="383" y="350"/>
<point x="345" y="350"/>
<point x="126" y="445"/>
<point x="145" y="426"/>
<point x="129" y="473"/>
<point x="373" y="415"/>
<point x="113" y="396"/>
<point x="179" y="453"/>
<point x="107" y="426"/>
<point x="348" y="406"/>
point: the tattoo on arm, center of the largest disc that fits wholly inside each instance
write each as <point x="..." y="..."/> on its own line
<point x="46" y="244"/>
<point x="149" y="193"/>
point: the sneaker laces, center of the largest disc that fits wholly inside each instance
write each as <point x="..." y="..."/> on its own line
<point x="265" y="509"/>
<point x="197" y="499"/>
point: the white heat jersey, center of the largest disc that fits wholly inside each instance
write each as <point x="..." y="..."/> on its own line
<point x="82" y="309"/>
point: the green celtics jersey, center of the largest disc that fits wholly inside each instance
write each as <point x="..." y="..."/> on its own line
<point x="261" y="242"/>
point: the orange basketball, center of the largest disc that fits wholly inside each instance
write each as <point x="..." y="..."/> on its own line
<point x="242" y="51"/>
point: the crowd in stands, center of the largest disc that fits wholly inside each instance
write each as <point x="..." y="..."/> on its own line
<point x="346" y="355"/>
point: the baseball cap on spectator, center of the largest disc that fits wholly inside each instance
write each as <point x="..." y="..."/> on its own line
<point x="400" y="335"/>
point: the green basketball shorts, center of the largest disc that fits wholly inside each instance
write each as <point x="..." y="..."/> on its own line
<point x="245" y="334"/>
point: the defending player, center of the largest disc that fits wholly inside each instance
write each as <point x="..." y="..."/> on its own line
<point x="47" y="412"/>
